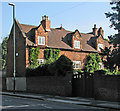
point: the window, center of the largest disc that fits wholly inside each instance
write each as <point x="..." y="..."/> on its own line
<point x="41" y="40"/>
<point x="100" y="46"/>
<point x="77" y="44"/>
<point x="77" y="64"/>
<point x="101" y="65"/>
<point x="41" y="61"/>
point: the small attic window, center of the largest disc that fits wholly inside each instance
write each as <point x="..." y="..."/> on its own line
<point x="41" y="40"/>
<point x="77" y="44"/>
<point x="100" y="46"/>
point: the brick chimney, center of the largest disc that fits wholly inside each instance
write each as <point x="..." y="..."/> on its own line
<point x="95" y="32"/>
<point x="100" y="31"/>
<point x="46" y="22"/>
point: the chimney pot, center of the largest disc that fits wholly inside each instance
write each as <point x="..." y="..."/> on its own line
<point x="94" y="25"/>
<point x="46" y="22"/>
<point x="100" y="31"/>
<point x="95" y="31"/>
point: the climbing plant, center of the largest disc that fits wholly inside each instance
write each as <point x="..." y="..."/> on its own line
<point x="51" y="55"/>
<point x="34" y="52"/>
<point x="93" y="61"/>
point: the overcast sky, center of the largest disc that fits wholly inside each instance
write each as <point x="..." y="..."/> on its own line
<point x="72" y="15"/>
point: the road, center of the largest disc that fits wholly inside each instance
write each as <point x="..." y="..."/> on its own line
<point x="26" y="104"/>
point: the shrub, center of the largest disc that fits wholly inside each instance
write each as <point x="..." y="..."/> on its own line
<point x="61" y="66"/>
<point x="58" y="68"/>
<point x="93" y="61"/>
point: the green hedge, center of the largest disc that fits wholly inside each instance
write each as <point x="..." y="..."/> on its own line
<point x="58" y="68"/>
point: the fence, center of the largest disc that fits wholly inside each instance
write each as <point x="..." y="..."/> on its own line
<point x="82" y="85"/>
<point x="97" y="85"/>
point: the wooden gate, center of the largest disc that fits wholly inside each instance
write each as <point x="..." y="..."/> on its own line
<point x="82" y="85"/>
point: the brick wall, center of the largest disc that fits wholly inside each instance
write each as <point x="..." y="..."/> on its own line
<point x="20" y="49"/>
<point x="61" y="86"/>
<point x="100" y="40"/>
<point x="107" y="87"/>
<point x="72" y="55"/>
<point x="77" y="37"/>
<point x="3" y="79"/>
<point x="40" y="32"/>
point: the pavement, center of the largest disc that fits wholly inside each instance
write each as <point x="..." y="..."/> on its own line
<point x="67" y="100"/>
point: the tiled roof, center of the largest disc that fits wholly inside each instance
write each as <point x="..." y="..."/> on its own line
<point x="56" y="36"/>
<point x="30" y="43"/>
<point x="27" y="28"/>
<point x="85" y="45"/>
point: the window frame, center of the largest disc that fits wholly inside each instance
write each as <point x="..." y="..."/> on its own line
<point x="43" y="60"/>
<point x="101" y="66"/>
<point x="41" y="42"/>
<point x="77" y="63"/>
<point x="99" y="46"/>
<point x="76" y="42"/>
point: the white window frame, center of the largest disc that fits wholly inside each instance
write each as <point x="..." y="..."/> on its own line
<point x="41" y="40"/>
<point x="77" y="44"/>
<point x="100" y="46"/>
<point x="77" y="64"/>
<point x="41" y="61"/>
<point x="101" y="65"/>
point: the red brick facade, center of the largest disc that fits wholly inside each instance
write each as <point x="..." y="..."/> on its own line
<point x="59" y="38"/>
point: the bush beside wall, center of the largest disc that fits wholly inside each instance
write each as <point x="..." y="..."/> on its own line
<point x="58" y="68"/>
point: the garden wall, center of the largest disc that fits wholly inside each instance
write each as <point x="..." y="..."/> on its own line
<point x="106" y="87"/>
<point x="55" y="85"/>
<point x="3" y="79"/>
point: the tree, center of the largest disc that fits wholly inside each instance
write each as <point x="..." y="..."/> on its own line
<point x="93" y="61"/>
<point x="4" y="52"/>
<point x="61" y="66"/>
<point x="115" y="39"/>
<point x="106" y="58"/>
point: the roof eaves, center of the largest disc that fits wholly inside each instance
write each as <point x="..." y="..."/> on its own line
<point x="20" y="27"/>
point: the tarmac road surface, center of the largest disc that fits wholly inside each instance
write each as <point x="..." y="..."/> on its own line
<point x="10" y="103"/>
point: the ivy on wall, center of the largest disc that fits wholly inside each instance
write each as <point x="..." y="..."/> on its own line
<point x="51" y="55"/>
<point x="93" y="61"/>
<point x="34" y="52"/>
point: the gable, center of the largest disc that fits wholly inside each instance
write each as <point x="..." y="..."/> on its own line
<point x="77" y="35"/>
<point x="100" y="39"/>
<point x="40" y="29"/>
<point x="18" y="31"/>
<point x="77" y="40"/>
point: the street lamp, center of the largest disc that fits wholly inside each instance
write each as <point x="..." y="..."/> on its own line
<point x="12" y="4"/>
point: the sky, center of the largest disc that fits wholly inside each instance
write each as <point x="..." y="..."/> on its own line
<point x="72" y="15"/>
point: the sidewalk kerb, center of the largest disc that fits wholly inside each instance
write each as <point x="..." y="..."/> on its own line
<point x="18" y="95"/>
<point x="56" y="100"/>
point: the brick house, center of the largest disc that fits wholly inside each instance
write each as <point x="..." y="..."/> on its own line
<point x="75" y="45"/>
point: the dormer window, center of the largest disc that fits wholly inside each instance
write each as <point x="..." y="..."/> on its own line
<point x="100" y="46"/>
<point x="41" y="40"/>
<point x="77" y="44"/>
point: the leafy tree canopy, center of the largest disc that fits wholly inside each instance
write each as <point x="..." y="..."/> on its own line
<point x="93" y="60"/>
<point x="114" y="17"/>
<point x="4" y="52"/>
